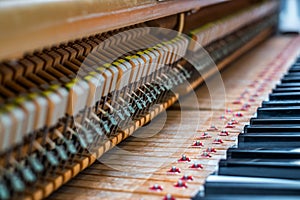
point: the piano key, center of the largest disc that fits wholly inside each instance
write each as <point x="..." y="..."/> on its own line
<point x="281" y="103"/>
<point x="278" y="112"/>
<point x="271" y="128"/>
<point x="265" y="168"/>
<point x="284" y="122"/>
<point x="284" y="96"/>
<point x="268" y="140"/>
<point x="264" y="153"/>
<point x="287" y="85"/>
<point x="222" y="186"/>
<point x="292" y="75"/>
<point x="295" y="68"/>
<point x="283" y="90"/>
<point x="290" y="80"/>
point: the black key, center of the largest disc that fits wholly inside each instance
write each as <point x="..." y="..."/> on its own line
<point x="290" y="80"/>
<point x="292" y="75"/>
<point x="287" y="122"/>
<point x="281" y="112"/>
<point x="284" y="96"/>
<point x="284" y="90"/>
<point x="272" y="128"/>
<point x="294" y="70"/>
<point x="269" y="104"/>
<point x="287" y="85"/>
<point x="264" y="153"/>
<point x="265" y="168"/>
<point x="269" y="140"/>
<point x="248" y="188"/>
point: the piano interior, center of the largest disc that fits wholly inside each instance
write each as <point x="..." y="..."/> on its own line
<point x="149" y="99"/>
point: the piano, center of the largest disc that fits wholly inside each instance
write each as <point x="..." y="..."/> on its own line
<point x="128" y="99"/>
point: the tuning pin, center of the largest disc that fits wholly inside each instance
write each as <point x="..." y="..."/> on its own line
<point x="181" y="184"/>
<point x="174" y="170"/>
<point x="234" y="121"/>
<point x="205" y="135"/>
<point x="205" y="155"/>
<point x="229" y="125"/>
<point x="224" y="133"/>
<point x="246" y="105"/>
<point x="260" y="89"/>
<point x="196" y="166"/>
<point x="238" y="101"/>
<point x="212" y="128"/>
<point x="252" y="99"/>
<point x="217" y="141"/>
<point x="184" y="159"/>
<point x="223" y="117"/>
<point x="168" y="197"/>
<point x="211" y="150"/>
<point x="239" y="114"/>
<point x="187" y="178"/>
<point x="228" y="110"/>
<point x="156" y="187"/>
<point x="243" y="108"/>
<point x="246" y="91"/>
<point x="197" y="144"/>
